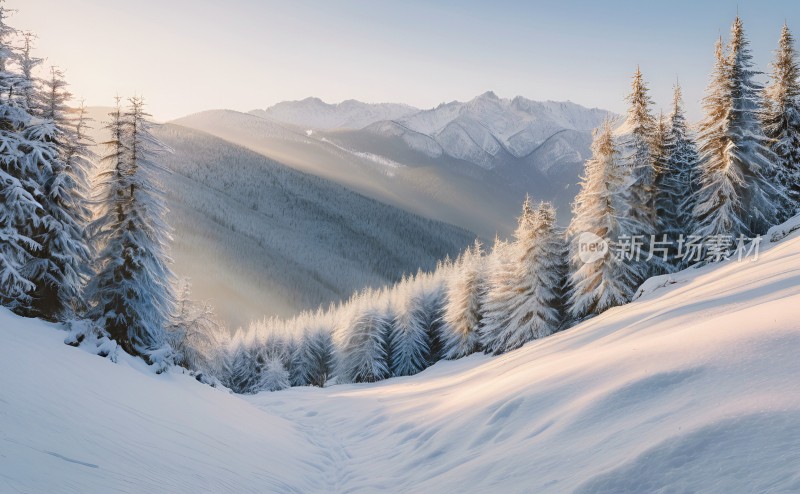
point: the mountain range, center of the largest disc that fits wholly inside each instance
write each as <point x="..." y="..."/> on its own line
<point x="466" y="163"/>
<point x="281" y="210"/>
<point x="259" y="238"/>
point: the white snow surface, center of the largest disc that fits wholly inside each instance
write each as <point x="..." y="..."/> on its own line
<point x="691" y="388"/>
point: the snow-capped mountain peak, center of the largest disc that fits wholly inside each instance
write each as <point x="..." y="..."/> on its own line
<point x="488" y="128"/>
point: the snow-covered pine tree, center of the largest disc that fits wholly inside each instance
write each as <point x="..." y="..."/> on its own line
<point x="433" y="303"/>
<point x="462" y="314"/>
<point x="410" y="339"/>
<point x="658" y="265"/>
<point x="678" y="180"/>
<point x="27" y="65"/>
<point x="716" y="201"/>
<point x="19" y="193"/>
<point x="501" y="270"/>
<point x="525" y="303"/>
<point x="639" y="160"/>
<point x="293" y="362"/>
<point x="194" y="334"/>
<point x="736" y="197"/>
<point x="132" y="294"/>
<point x="59" y="268"/>
<point x="243" y="366"/>
<point x="598" y="214"/>
<point x="316" y="356"/>
<point x="365" y="343"/>
<point x="781" y="120"/>
<point x="274" y="376"/>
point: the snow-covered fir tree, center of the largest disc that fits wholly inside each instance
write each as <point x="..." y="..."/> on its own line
<point x="59" y="267"/>
<point x="524" y="302"/>
<point x="316" y="360"/>
<point x="678" y="179"/>
<point x="432" y="303"/>
<point x="364" y="354"/>
<point x="20" y="210"/>
<point x="462" y="315"/>
<point x="599" y="215"/>
<point x="781" y="120"/>
<point x="410" y="337"/>
<point x="275" y="376"/>
<point x="735" y="197"/>
<point x="499" y="269"/>
<point x="639" y="160"/>
<point x="27" y="64"/>
<point x="242" y="367"/>
<point x="256" y="359"/>
<point x="131" y="294"/>
<point x="194" y="334"/>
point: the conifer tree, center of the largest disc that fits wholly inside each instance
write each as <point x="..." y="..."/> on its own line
<point x="781" y="121"/>
<point x="365" y="345"/>
<point x="20" y="210"/>
<point x="524" y="303"/>
<point x="28" y="64"/>
<point x="132" y="292"/>
<point x="316" y="357"/>
<point x="638" y="157"/>
<point x="59" y="268"/>
<point x="499" y="274"/>
<point x="432" y="306"/>
<point x="678" y="180"/>
<point x="243" y="367"/>
<point x="599" y="214"/>
<point x="194" y="334"/>
<point x="274" y="376"/>
<point x="736" y="197"/>
<point x="410" y="338"/>
<point x="462" y="315"/>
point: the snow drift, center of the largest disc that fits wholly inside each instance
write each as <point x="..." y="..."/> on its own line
<point x="692" y="387"/>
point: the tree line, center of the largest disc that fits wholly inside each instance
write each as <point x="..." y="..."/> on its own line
<point x="657" y="179"/>
<point x="93" y="256"/>
<point x="96" y="256"/>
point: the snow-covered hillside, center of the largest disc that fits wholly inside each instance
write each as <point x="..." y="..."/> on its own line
<point x="259" y="238"/>
<point x="444" y="189"/>
<point x="465" y="163"/>
<point x="691" y="388"/>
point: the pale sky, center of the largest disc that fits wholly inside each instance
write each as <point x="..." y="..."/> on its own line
<point x="186" y="56"/>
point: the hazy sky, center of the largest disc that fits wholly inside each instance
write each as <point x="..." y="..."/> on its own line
<point x="185" y="56"/>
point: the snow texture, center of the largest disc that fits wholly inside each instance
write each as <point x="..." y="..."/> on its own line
<point x="691" y="388"/>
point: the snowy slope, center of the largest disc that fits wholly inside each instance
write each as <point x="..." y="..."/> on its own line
<point x="259" y="238"/>
<point x="692" y="388"/>
<point x="465" y="163"/>
<point x="76" y="423"/>
<point x="313" y="113"/>
<point x="444" y="189"/>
